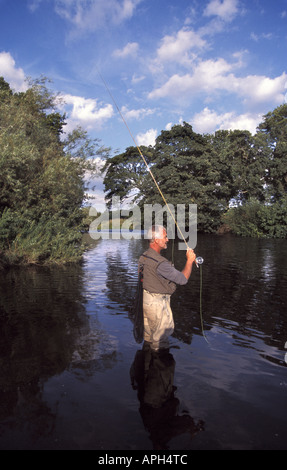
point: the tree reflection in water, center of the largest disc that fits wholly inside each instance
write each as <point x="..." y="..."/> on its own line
<point x="41" y="314"/>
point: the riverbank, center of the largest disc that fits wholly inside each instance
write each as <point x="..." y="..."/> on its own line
<point x="33" y="257"/>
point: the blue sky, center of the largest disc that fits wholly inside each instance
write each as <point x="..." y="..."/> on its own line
<point x="216" y="64"/>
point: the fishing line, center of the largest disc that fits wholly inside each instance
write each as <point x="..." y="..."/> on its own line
<point x="200" y="303"/>
<point x="198" y="260"/>
<point x="172" y="252"/>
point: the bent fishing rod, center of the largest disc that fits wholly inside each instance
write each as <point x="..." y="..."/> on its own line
<point x="199" y="260"/>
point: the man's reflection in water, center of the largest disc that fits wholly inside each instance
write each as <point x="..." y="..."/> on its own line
<point x="152" y="375"/>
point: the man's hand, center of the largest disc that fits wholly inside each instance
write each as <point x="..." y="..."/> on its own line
<point x="190" y="255"/>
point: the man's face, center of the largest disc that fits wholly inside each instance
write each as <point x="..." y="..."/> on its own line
<point x="162" y="241"/>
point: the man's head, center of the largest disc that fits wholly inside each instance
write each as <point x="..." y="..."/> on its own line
<point x="157" y="237"/>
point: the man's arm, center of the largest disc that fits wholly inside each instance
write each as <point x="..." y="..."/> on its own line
<point x="167" y="271"/>
<point x="170" y="273"/>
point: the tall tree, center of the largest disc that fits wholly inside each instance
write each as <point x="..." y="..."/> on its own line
<point x="187" y="174"/>
<point x="42" y="185"/>
<point x="274" y="130"/>
<point x="125" y="175"/>
<point x="241" y="162"/>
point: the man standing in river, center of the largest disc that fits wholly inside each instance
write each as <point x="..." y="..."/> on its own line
<point x="159" y="282"/>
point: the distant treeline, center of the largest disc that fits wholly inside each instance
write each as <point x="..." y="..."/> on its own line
<point x="42" y="178"/>
<point x="238" y="180"/>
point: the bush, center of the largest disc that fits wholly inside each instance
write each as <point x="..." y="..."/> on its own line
<point x="48" y="240"/>
<point x="255" y="219"/>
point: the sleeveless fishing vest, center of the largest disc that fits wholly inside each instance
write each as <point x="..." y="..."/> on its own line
<point x="152" y="281"/>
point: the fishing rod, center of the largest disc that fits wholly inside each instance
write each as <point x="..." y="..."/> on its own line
<point x="198" y="260"/>
<point x="144" y="160"/>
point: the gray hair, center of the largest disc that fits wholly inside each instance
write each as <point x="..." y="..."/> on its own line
<point x="156" y="231"/>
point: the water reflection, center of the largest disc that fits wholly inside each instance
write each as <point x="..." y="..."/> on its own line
<point x="122" y="273"/>
<point x="152" y="375"/>
<point x="38" y="324"/>
<point x="243" y="280"/>
<point x="40" y="313"/>
<point x="45" y="331"/>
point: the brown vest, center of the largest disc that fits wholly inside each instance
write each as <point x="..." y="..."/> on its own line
<point x="152" y="281"/>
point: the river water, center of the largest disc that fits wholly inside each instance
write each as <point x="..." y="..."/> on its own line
<point x="72" y="373"/>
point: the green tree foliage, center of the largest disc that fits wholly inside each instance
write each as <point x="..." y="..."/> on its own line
<point x="41" y="177"/>
<point x="273" y="130"/>
<point x="240" y="164"/>
<point x="268" y="219"/>
<point x="125" y="175"/>
<point x="186" y="172"/>
<point x="255" y="219"/>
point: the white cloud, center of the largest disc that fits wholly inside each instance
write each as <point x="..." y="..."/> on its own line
<point x="207" y="76"/>
<point x="247" y="121"/>
<point x="257" y="37"/>
<point x="147" y="138"/>
<point x="208" y="121"/>
<point x="136" y="113"/>
<point x="130" y="50"/>
<point x="181" y="48"/>
<point x="225" y="9"/>
<point x="137" y="78"/>
<point x="87" y="15"/>
<point x="13" y="75"/>
<point x="33" y="5"/>
<point x="261" y="89"/>
<point x="176" y="48"/>
<point x="213" y="76"/>
<point x="86" y="112"/>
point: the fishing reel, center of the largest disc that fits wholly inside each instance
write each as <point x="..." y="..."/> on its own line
<point x="199" y="260"/>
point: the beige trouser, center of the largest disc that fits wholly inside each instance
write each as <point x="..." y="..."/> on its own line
<point x="158" y="319"/>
